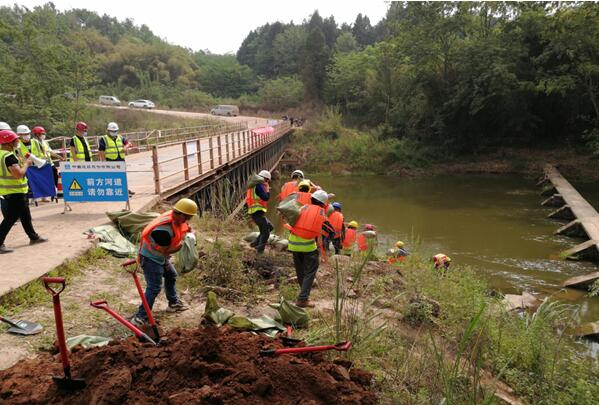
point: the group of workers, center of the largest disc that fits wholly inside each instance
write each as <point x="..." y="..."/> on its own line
<point x="17" y="154"/>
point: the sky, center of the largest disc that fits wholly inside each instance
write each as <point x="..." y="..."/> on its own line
<point x="217" y="25"/>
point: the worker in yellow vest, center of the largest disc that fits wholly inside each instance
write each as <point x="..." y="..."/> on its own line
<point x="28" y="145"/>
<point x="113" y="147"/>
<point x="256" y="200"/>
<point x="80" y="149"/>
<point x="13" y="190"/>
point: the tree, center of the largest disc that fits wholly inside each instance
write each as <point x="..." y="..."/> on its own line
<point x="314" y="61"/>
<point x="346" y="43"/>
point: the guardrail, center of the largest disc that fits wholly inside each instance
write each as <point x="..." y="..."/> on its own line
<point x="200" y="156"/>
<point x="145" y="140"/>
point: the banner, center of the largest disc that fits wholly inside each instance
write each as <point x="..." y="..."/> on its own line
<point x="41" y="181"/>
<point x="94" y="181"/>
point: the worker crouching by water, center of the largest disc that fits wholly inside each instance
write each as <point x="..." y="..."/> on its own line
<point x="159" y="240"/>
<point x="256" y="200"/>
<point x="310" y="225"/>
<point x="441" y="261"/>
<point x="398" y="253"/>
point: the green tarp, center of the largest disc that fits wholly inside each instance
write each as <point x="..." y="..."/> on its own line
<point x="112" y="241"/>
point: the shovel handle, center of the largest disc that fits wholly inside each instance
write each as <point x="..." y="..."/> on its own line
<point x="102" y="304"/>
<point x="128" y="263"/>
<point x="53" y="280"/>
<point x="342" y="347"/>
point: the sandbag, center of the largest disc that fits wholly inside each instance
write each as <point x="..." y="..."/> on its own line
<point x="131" y="223"/>
<point x="214" y="313"/>
<point x="187" y="258"/>
<point x="289" y="313"/>
<point x="273" y="239"/>
<point x="369" y="234"/>
<point x="254" y="180"/>
<point x="330" y="210"/>
<point x="289" y="208"/>
<point x="87" y="341"/>
<point x="112" y="241"/>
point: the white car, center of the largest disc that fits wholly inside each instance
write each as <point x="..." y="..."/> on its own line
<point x="142" y="104"/>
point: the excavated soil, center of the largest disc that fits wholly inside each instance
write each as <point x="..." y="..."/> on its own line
<point x="203" y="365"/>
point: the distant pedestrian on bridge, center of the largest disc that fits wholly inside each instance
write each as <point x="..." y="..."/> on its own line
<point x="13" y="190"/>
<point x="256" y="200"/>
<point x="80" y="149"/>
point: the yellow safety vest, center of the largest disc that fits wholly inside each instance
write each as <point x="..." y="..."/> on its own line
<point x="36" y="149"/>
<point x="8" y="183"/>
<point x="114" y="149"/>
<point x="79" y="148"/>
<point x="46" y="149"/>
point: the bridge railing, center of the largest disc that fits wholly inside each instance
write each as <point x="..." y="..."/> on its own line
<point x="184" y="162"/>
<point x="144" y="140"/>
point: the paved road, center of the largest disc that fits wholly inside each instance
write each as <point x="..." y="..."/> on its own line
<point x="65" y="231"/>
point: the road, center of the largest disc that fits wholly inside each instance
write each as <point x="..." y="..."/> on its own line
<point x="66" y="231"/>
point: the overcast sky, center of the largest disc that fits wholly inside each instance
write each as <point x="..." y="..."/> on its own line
<point x="217" y="25"/>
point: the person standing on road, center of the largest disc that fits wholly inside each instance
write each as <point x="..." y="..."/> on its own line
<point x="310" y="225"/>
<point x="159" y="240"/>
<point x="113" y="147"/>
<point x="13" y="190"/>
<point x="80" y="150"/>
<point x="256" y="200"/>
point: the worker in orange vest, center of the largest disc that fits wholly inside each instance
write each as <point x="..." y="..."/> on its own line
<point x="304" y="196"/>
<point x="367" y="239"/>
<point x="291" y="186"/>
<point x="336" y="221"/>
<point x="441" y="261"/>
<point x="159" y="240"/>
<point x="256" y="200"/>
<point x="349" y="239"/>
<point x="310" y="225"/>
<point x="398" y="253"/>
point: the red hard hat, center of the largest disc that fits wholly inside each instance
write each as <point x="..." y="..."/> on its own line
<point x="81" y="126"/>
<point x="7" y="136"/>
<point x="38" y="131"/>
<point x="369" y="227"/>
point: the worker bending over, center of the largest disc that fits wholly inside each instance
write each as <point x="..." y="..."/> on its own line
<point x="159" y="240"/>
<point x="256" y="200"/>
<point x="441" y="261"/>
<point x="291" y="186"/>
<point x="310" y="225"/>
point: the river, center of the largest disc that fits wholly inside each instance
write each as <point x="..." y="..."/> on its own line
<point x="492" y="223"/>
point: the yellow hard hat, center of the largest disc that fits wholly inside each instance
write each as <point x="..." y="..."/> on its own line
<point x="186" y="206"/>
<point x="353" y="224"/>
<point x="399" y="244"/>
<point x="304" y="184"/>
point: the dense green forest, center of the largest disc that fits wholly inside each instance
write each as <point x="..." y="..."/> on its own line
<point x="454" y="76"/>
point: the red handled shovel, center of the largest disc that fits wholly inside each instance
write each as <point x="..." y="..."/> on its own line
<point x="140" y="335"/>
<point x="66" y="383"/>
<point x="144" y="301"/>
<point x="342" y="347"/>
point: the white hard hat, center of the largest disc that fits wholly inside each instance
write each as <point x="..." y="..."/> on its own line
<point x="4" y="125"/>
<point x="321" y="196"/>
<point x="112" y="126"/>
<point x="298" y="173"/>
<point x="23" y="130"/>
<point x="264" y="174"/>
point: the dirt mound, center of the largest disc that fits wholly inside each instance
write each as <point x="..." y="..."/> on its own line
<point x="204" y="365"/>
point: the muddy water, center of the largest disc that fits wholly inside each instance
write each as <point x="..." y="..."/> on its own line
<point x="495" y="224"/>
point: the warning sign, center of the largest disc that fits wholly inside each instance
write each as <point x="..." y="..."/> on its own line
<point x="75" y="185"/>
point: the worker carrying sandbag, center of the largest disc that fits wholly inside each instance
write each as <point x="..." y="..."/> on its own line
<point x="291" y="186"/>
<point x="398" y="253"/>
<point x="159" y="240"/>
<point x="256" y="200"/>
<point x="310" y="225"/>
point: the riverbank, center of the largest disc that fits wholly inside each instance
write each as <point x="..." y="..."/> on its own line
<point x="424" y="336"/>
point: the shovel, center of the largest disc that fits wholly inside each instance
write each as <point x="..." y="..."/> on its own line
<point x="144" y="301"/>
<point x="22" y="327"/>
<point x="66" y="383"/>
<point x="342" y="347"/>
<point x="288" y="340"/>
<point x="140" y="335"/>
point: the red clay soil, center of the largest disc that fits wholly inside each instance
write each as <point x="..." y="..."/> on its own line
<point x="204" y="365"/>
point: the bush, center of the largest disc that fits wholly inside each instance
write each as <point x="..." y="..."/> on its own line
<point x="279" y="94"/>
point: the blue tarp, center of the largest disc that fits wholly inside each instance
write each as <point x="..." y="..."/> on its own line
<point x="41" y="181"/>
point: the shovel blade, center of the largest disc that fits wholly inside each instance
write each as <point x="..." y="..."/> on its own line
<point x="26" y="328"/>
<point x="69" y="384"/>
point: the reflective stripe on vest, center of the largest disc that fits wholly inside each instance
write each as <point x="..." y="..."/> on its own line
<point x="80" y="152"/>
<point x="254" y="202"/>
<point x="164" y="219"/>
<point x="114" y="149"/>
<point x="336" y="220"/>
<point x="288" y="188"/>
<point x="34" y="148"/>
<point x="309" y="222"/>
<point x="8" y="183"/>
<point x="298" y="244"/>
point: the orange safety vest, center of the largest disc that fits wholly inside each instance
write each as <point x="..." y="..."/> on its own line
<point x="350" y="238"/>
<point x="288" y="188"/>
<point x="249" y="197"/>
<point x="166" y="218"/>
<point x="362" y="243"/>
<point x="304" y="198"/>
<point x="336" y="221"/>
<point x="392" y="260"/>
<point x="309" y="223"/>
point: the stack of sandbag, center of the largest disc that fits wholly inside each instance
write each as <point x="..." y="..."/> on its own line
<point x="276" y="241"/>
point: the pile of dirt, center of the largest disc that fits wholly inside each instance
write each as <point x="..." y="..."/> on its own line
<point x="203" y="365"/>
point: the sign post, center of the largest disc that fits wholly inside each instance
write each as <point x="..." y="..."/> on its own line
<point x="94" y="182"/>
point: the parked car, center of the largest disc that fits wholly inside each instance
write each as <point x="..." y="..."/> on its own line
<point x="141" y="103"/>
<point x="227" y="110"/>
<point x="109" y="100"/>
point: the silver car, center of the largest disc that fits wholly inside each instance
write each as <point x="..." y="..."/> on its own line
<point x="141" y="103"/>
